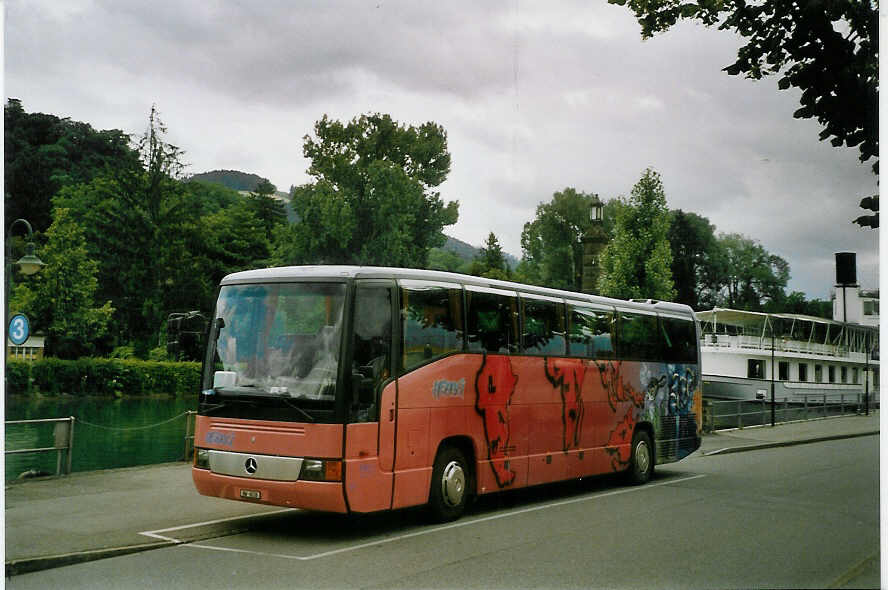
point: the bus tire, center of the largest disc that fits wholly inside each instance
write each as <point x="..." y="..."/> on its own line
<point x="451" y="485"/>
<point x="641" y="463"/>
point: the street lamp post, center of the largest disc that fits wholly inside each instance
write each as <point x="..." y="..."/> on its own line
<point x="29" y="264"/>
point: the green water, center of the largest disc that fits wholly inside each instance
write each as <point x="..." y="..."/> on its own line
<point x="108" y="432"/>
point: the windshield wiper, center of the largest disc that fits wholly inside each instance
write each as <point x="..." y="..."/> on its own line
<point x="252" y="390"/>
<point x="286" y="398"/>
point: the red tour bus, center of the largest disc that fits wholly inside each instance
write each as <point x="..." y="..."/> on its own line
<point x="356" y="389"/>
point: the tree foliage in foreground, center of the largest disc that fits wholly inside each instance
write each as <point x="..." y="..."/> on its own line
<point x="828" y="49"/>
<point x="373" y="199"/>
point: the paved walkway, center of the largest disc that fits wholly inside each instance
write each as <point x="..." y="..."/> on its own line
<point x="99" y="514"/>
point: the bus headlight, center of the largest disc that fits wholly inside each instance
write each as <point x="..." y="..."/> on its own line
<point x="202" y="458"/>
<point x="321" y="470"/>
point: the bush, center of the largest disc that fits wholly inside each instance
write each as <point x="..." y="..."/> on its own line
<point x="100" y="376"/>
<point x="18" y="376"/>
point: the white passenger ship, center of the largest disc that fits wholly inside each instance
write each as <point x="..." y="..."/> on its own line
<point x="744" y="352"/>
<point x="804" y="358"/>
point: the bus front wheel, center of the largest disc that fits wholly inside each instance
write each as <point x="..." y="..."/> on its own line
<point x="450" y="485"/>
<point x="641" y="464"/>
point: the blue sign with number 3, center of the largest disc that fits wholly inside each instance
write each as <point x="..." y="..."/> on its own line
<point x="19" y="329"/>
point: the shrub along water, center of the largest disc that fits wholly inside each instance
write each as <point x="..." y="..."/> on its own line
<point x="100" y="376"/>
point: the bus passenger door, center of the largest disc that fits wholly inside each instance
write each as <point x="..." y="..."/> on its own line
<point x="373" y="399"/>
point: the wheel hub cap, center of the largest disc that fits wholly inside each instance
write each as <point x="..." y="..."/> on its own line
<point x="642" y="457"/>
<point x="453" y="484"/>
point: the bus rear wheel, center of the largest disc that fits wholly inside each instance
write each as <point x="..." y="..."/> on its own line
<point x="641" y="464"/>
<point x="451" y="485"/>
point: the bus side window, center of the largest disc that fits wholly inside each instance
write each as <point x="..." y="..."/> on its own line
<point x="680" y="337"/>
<point x="640" y="337"/>
<point x="543" y="327"/>
<point x="492" y="322"/>
<point x="591" y="333"/>
<point x="371" y="350"/>
<point x="432" y="322"/>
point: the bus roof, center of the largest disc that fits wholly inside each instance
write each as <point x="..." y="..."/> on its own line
<point x="341" y="272"/>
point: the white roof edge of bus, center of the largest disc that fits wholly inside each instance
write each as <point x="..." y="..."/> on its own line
<point x="347" y="272"/>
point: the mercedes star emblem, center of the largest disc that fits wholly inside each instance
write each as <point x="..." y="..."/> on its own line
<point x="250" y="466"/>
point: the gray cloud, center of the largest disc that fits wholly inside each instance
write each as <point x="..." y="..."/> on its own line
<point x="534" y="97"/>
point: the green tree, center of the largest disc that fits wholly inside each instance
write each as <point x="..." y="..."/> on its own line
<point x="753" y="276"/>
<point x="693" y="245"/>
<point x="441" y="259"/>
<point x="267" y="209"/>
<point x="829" y="50"/>
<point x="141" y="223"/>
<point x="61" y="300"/>
<point x="551" y="244"/>
<point x="636" y="264"/>
<point x="490" y="261"/>
<point x="210" y="197"/>
<point x="43" y="153"/>
<point x="373" y="199"/>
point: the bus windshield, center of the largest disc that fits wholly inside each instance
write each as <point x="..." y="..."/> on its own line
<point x="276" y="340"/>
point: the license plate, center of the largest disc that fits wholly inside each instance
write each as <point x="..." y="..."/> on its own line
<point x="251" y="494"/>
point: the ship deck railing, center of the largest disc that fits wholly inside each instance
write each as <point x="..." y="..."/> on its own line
<point x="723" y="341"/>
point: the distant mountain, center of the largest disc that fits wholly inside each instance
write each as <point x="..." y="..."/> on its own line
<point x="233" y="179"/>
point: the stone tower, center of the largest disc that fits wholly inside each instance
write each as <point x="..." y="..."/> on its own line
<point x="594" y="241"/>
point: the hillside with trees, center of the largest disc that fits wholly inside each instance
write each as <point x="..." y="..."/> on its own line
<point x="233" y="179"/>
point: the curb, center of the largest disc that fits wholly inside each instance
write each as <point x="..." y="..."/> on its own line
<point x="36" y="564"/>
<point x="787" y="443"/>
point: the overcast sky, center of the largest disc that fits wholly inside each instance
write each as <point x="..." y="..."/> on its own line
<point x="534" y="96"/>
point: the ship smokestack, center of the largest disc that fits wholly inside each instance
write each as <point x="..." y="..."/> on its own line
<point x="846" y="276"/>
<point x="846" y="269"/>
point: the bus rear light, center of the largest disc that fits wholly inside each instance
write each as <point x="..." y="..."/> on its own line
<point x="321" y="470"/>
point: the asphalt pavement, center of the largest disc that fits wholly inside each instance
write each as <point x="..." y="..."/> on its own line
<point x="93" y="515"/>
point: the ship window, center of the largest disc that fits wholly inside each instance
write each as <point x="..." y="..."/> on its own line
<point x="783" y="368"/>
<point x="803" y="372"/>
<point x="831" y="370"/>
<point x="755" y="369"/>
<point x="875" y="376"/>
<point x="818" y="373"/>
<point x="855" y="374"/>
<point x="844" y="371"/>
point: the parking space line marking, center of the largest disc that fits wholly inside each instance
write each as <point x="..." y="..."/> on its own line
<point x="447" y="526"/>
<point x="154" y="534"/>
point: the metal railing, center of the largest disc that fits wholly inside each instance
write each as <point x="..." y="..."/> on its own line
<point x="718" y="415"/>
<point x="63" y="435"/>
